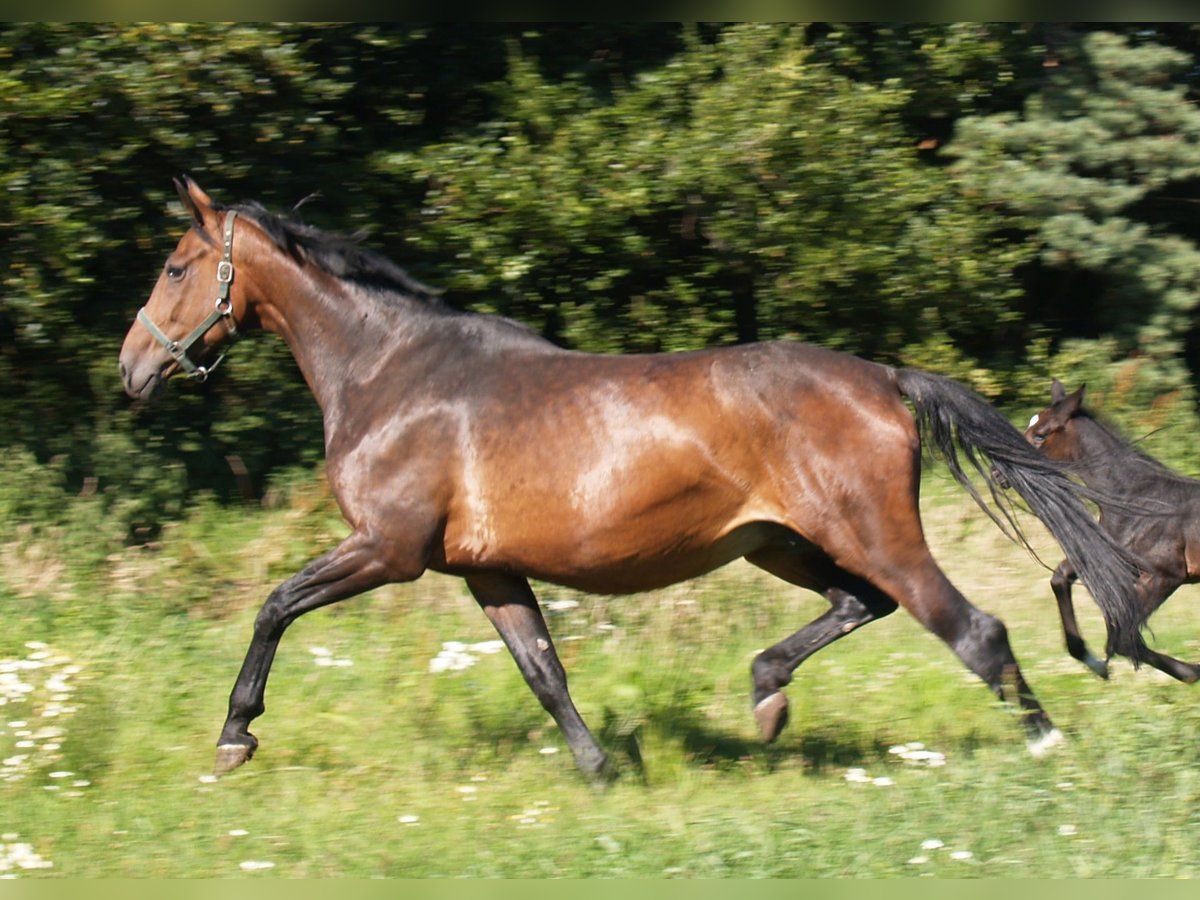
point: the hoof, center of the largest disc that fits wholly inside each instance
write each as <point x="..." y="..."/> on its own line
<point x="604" y="776"/>
<point x="1097" y="665"/>
<point x="772" y="715"/>
<point x="1047" y="742"/>
<point x="230" y="756"/>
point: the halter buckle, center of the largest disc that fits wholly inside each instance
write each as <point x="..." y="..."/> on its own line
<point x="224" y="271"/>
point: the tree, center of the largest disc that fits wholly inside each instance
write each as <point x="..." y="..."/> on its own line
<point x="620" y="187"/>
<point x="1080" y="174"/>
<point x="97" y="118"/>
<point x="741" y="191"/>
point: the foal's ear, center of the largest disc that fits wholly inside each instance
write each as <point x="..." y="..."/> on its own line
<point x="1074" y="401"/>
<point x="1057" y="391"/>
<point x="195" y="201"/>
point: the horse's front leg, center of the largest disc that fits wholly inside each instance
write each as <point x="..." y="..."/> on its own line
<point x="1060" y="582"/>
<point x="512" y="608"/>
<point x="353" y="567"/>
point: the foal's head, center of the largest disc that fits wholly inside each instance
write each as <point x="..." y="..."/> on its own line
<point x="196" y="305"/>
<point x="1053" y="430"/>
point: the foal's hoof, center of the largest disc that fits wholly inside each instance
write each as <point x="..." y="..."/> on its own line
<point x="772" y="715"/>
<point x="230" y="756"/>
<point x="1097" y="665"/>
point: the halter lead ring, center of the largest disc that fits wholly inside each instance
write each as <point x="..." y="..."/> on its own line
<point x="222" y="311"/>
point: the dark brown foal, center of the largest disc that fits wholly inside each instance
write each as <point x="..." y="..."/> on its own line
<point x="1151" y="510"/>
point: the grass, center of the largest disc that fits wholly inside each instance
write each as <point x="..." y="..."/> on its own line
<point x="372" y="765"/>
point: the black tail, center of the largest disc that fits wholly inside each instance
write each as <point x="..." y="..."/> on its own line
<point x="954" y="419"/>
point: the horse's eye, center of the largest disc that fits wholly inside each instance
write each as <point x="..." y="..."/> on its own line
<point x="175" y="273"/>
<point x="1039" y="439"/>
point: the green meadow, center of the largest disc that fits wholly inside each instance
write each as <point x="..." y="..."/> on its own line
<point x="397" y="743"/>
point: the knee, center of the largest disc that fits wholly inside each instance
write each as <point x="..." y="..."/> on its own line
<point x="271" y="619"/>
<point x="549" y="684"/>
<point x="1060" y="582"/>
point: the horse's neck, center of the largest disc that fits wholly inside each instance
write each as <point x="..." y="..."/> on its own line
<point x="342" y="335"/>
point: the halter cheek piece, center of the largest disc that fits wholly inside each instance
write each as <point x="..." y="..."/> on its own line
<point x="222" y="311"/>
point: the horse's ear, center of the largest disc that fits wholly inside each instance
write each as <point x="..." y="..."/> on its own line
<point x="195" y="201"/>
<point x="1057" y="391"/>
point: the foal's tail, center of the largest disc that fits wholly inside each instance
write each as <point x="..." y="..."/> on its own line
<point x="953" y="419"/>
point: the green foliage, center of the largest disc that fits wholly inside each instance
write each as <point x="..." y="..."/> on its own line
<point x="744" y="191"/>
<point x="30" y="492"/>
<point x="619" y="187"/>
<point x="1085" y="170"/>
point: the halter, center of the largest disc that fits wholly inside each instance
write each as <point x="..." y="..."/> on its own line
<point x="222" y="310"/>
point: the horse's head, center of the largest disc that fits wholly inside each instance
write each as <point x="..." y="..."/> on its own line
<point x="1051" y="430"/>
<point x="195" y="306"/>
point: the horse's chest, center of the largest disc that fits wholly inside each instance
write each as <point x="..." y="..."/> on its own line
<point x="1191" y="557"/>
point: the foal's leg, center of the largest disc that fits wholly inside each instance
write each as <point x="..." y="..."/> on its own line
<point x="353" y="567"/>
<point x="1154" y="591"/>
<point x="853" y="603"/>
<point x="1188" y="673"/>
<point x="1060" y="582"/>
<point x="511" y="606"/>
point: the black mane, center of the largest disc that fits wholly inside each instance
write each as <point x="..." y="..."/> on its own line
<point x="338" y="255"/>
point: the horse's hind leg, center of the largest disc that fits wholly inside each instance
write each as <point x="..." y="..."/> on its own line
<point x="1188" y="673"/>
<point x="916" y="583"/>
<point x="981" y="642"/>
<point x="1154" y="591"/>
<point x="853" y="603"/>
<point x="512" y="608"/>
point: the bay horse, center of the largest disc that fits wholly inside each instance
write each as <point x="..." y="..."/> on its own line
<point x="469" y="445"/>
<point x="1164" y="534"/>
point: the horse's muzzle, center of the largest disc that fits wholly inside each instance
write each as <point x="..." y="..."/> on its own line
<point x="142" y="382"/>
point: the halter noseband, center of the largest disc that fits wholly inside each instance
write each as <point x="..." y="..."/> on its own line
<point x="222" y="310"/>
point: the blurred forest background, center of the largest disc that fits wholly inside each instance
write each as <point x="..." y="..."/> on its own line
<point x="996" y="202"/>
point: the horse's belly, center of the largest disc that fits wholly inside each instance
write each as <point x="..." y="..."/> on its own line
<point x="641" y="502"/>
<point x="617" y="556"/>
<point x="642" y="571"/>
